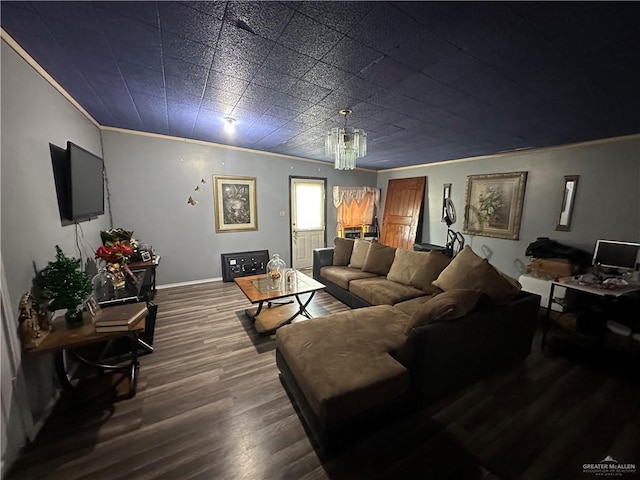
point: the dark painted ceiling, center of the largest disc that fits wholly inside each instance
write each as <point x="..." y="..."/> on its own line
<point x="428" y="81"/>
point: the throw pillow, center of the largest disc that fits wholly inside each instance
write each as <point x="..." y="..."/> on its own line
<point x="359" y="253"/>
<point x="459" y="266"/>
<point x="342" y="248"/>
<point x="424" y="276"/>
<point x="445" y="306"/>
<point x="379" y="259"/>
<point x="487" y="279"/>
<point x="405" y="263"/>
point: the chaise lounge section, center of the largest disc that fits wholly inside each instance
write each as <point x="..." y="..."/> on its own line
<point x="349" y="370"/>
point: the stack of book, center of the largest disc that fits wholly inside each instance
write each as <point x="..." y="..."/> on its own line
<point x="119" y="318"/>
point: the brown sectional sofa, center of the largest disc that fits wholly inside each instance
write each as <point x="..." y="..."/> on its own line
<point x="409" y="346"/>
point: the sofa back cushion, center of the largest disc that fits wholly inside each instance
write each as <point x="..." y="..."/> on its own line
<point x="417" y="269"/>
<point x="485" y="278"/>
<point x="359" y="253"/>
<point x="379" y="259"/>
<point x="342" y="249"/>
<point x="445" y="306"/>
<point x="424" y="276"/>
<point x="405" y="263"/>
<point x="462" y="263"/>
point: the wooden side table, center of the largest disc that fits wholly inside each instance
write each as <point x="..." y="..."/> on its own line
<point x="119" y="380"/>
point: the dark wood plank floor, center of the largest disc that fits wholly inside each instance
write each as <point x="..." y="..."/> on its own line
<point x="210" y="406"/>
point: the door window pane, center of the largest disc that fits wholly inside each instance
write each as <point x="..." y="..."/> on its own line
<point x="309" y="211"/>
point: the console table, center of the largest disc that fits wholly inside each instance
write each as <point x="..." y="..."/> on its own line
<point x="62" y="340"/>
<point x="574" y="283"/>
<point x="151" y="266"/>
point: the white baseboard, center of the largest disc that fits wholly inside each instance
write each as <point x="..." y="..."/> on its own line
<point x="192" y="282"/>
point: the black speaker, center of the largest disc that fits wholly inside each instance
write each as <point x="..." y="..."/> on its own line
<point x="241" y="264"/>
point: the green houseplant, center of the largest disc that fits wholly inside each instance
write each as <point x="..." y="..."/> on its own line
<point x="64" y="285"/>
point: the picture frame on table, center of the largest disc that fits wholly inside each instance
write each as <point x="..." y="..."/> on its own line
<point x="92" y="305"/>
<point x="494" y="203"/>
<point x="235" y="204"/>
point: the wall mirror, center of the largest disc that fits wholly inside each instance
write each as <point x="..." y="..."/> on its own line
<point x="446" y="193"/>
<point x="568" y="200"/>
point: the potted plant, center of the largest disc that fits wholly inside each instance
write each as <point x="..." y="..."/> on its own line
<point x="64" y="285"/>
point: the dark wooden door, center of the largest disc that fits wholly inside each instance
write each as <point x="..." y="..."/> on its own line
<point x="402" y="210"/>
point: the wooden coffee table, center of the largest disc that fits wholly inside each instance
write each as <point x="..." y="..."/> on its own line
<point x="260" y="289"/>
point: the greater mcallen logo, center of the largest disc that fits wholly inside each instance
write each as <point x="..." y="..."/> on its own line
<point x="609" y="467"/>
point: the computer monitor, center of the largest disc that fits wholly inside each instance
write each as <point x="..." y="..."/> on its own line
<point x="621" y="256"/>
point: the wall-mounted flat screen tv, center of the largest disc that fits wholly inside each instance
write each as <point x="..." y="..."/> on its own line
<point x="86" y="180"/>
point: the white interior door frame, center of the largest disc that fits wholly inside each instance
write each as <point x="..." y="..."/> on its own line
<point x="307" y="218"/>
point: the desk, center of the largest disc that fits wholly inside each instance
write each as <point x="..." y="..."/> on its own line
<point x="62" y="339"/>
<point x="599" y="290"/>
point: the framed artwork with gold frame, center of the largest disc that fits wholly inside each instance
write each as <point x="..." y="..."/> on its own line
<point x="494" y="204"/>
<point x="235" y="203"/>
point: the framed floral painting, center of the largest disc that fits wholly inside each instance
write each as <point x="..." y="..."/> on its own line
<point x="494" y="204"/>
<point x="235" y="203"/>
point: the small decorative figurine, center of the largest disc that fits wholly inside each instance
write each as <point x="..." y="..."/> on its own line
<point x="31" y="333"/>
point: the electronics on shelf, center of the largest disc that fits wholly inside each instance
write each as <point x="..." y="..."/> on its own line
<point x="616" y="257"/>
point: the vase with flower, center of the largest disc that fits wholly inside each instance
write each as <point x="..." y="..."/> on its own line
<point x="115" y="255"/>
<point x="275" y="271"/>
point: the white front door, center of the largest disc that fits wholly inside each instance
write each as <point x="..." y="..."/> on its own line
<point x="307" y="219"/>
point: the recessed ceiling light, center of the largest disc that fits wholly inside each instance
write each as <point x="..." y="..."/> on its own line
<point x="229" y="126"/>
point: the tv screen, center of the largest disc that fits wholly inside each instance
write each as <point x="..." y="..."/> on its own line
<point x="87" y="183"/>
<point x="613" y="254"/>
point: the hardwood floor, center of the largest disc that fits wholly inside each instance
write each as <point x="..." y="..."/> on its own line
<point x="210" y="406"/>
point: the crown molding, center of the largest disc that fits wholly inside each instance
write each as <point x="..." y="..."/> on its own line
<point x="43" y="73"/>
<point x="522" y="151"/>
<point x="220" y="145"/>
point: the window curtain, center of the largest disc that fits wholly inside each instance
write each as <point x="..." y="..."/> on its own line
<point x="355" y="205"/>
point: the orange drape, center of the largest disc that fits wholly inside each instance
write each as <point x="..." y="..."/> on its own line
<point x="353" y="215"/>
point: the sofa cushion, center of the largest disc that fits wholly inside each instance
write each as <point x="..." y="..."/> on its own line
<point x="341" y="276"/>
<point x="423" y="277"/>
<point x="359" y="253"/>
<point x="459" y="266"/>
<point x="445" y="306"/>
<point x="410" y="306"/>
<point x="408" y="263"/>
<point x="380" y="291"/>
<point x="485" y="278"/>
<point x="379" y="259"/>
<point x="342" y="249"/>
<point x="342" y="363"/>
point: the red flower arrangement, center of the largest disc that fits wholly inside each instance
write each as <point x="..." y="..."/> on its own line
<point x="116" y="252"/>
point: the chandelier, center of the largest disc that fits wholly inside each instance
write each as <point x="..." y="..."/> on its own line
<point x="346" y="144"/>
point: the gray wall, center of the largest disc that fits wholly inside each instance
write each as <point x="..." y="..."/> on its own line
<point x="150" y="185"/>
<point x="607" y="203"/>
<point x="33" y="115"/>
